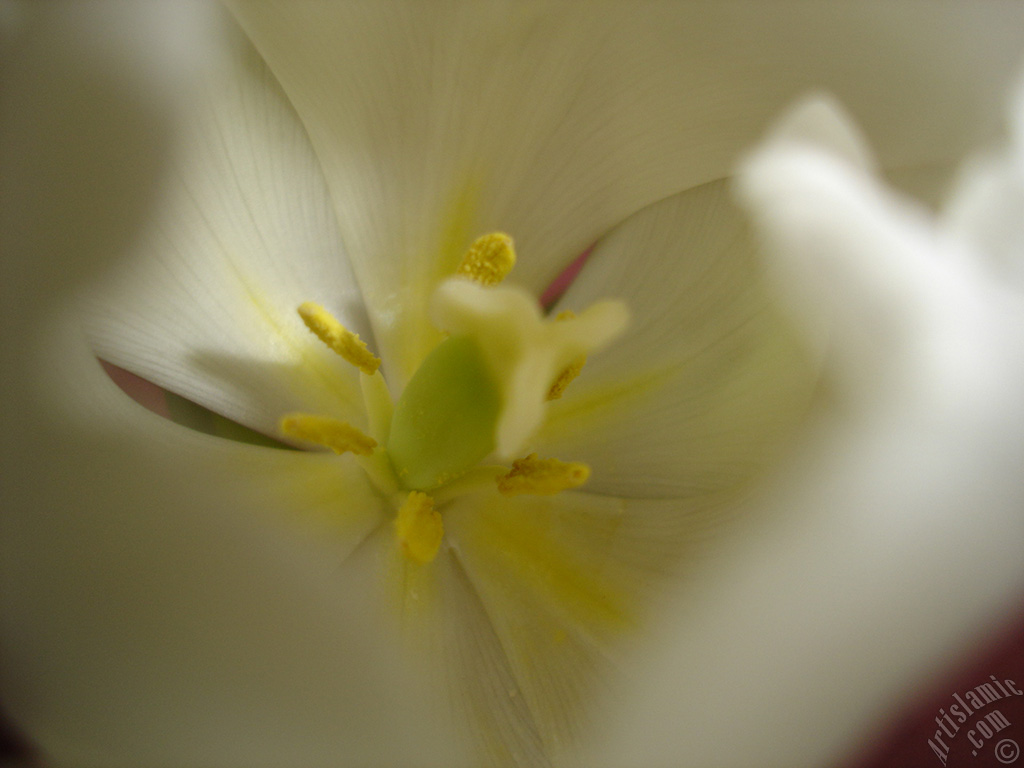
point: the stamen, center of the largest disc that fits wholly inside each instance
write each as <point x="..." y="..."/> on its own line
<point x="542" y="477"/>
<point x="571" y="371"/>
<point x="476" y="480"/>
<point x="489" y="259"/>
<point x="419" y="528"/>
<point x="378" y="404"/>
<point x="330" y="433"/>
<point x="337" y="337"/>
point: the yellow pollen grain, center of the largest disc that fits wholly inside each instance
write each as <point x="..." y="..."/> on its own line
<point x="542" y="477"/>
<point x="419" y="528"/>
<point x="337" y="337"/>
<point x="328" y="432"/>
<point x="571" y="371"/>
<point x="489" y="259"/>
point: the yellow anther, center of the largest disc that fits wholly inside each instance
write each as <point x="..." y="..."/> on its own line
<point x="419" y="528"/>
<point x="542" y="477"/>
<point x="330" y="433"/>
<point x="565" y="378"/>
<point x="571" y="371"/>
<point x="489" y="259"/>
<point x="337" y="337"/>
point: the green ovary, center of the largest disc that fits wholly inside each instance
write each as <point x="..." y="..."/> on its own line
<point x="444" y="422"/>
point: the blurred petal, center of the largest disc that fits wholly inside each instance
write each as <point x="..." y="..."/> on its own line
<point x="818" y="120"/>
<point x="867" y="273"/>
<point x="708" y="378"/>
<point x="885" y="555"/>
<point x="72" y="71"/>
<point x="244" y="234"/>
<point x="436" y="123"/>
<point x="892" y="538"/>
<point x="987" y="206"/>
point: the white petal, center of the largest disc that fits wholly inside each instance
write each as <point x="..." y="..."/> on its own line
<point x="244" y="233"/>
<point x="162" y="592"/>
<point x="884" y="551"/>
<point x="175" y="599"/>
<point x="818" y="120"/>
<point x="438" y="123"/>
<point x="867" y="275"/>
<point x="529" y="604"/>
<point x="697" y="393"/>
<point x="987" y="205"/>
<point x="892" y="539"/>
<point x="72" y="71"/>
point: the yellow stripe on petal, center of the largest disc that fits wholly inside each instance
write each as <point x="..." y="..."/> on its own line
<point x="419" y="528"/>
<point x="542" y="477"/>
<point x="337" y="337"/>
<point x="489" y="259"/>
<point x="331" y="433"/>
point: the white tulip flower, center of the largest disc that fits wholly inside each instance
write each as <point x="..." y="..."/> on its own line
<point x="656" y="529"/>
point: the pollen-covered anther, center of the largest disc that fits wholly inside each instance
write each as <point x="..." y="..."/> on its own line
<point x="489" y="259"/>
<point x="337" y="337"/>
<point x="542" y="477"/>
<point x="571" y="371"/>
<point x="331" y="433"/>
<point x="419" y="528"/>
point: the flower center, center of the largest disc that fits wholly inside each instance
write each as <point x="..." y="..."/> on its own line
<point x="473" y="402"/>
